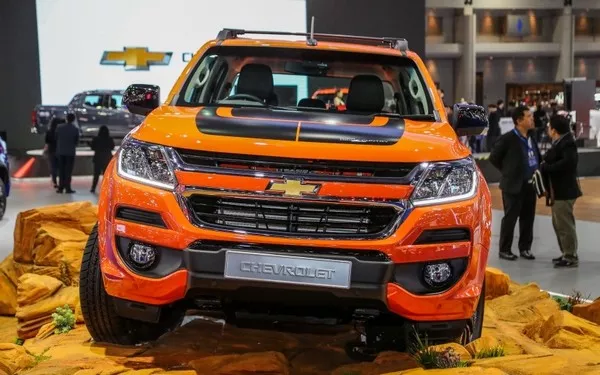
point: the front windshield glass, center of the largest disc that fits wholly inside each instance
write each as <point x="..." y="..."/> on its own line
<point x="307" y="80"/>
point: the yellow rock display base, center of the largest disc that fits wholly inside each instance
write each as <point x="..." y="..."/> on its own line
<point x="42" y="274"/>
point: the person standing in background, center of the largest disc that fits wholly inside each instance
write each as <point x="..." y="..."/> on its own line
<point x="494" y="126"/>
<point x="540" y="120"/>
<point x="102" y="145"/>
<point x="500" y="108"/>
<point x="517" y="156"/>
<point x="50" y="151"/>
<point x="67" y="138"/>
<point x="560" y="167"/>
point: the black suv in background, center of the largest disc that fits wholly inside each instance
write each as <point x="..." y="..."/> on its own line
<point x="92" y="110"/>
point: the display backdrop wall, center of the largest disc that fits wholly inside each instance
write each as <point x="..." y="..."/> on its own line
<point x="52" y="49"/>
<point x="75" y="34"/>
<point x="19" y="72"/>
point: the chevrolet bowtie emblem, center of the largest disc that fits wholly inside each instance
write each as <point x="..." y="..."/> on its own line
<point x="292" y="188"/>
<point x="135" y="58"/>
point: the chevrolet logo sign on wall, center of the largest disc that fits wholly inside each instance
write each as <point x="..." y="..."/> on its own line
<point x="135" y="58"/>
<point x="292" y="188"/>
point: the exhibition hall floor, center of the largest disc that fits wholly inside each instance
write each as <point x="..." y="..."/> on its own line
<point x="27" y="194"/>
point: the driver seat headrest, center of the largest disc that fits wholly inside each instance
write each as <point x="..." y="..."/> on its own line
<point x="257" y="80"/>
<point x="365" y="94"/>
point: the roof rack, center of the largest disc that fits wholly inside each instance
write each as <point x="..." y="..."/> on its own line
<point x="312" y="38"/>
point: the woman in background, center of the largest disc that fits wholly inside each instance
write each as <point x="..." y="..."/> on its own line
<point x="50" y="150"/>
<point x="102" y="145"/>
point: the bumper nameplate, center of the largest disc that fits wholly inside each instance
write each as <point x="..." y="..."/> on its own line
<point x="286" y="269"/>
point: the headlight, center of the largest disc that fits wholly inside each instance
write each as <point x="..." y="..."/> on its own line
<point x="446" y="182"/>
<point x="145" y="163"/>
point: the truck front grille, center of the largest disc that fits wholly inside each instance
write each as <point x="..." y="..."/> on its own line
<point x="256" y="215"/>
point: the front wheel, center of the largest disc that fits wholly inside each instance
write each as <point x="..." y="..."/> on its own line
<point x="474" y="326"/>
<point x="381" y="335"/>
<point x="100" y="314"/>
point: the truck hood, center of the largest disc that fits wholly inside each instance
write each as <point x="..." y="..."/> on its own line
<point x="297" y="134"/>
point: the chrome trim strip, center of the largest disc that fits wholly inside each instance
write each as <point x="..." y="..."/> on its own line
<point x="179" y="164"/>
<point x="187" y="191"/>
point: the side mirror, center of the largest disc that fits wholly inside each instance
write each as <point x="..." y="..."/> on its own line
<point x="469" y="119"/>
<point x="141" y="99"/>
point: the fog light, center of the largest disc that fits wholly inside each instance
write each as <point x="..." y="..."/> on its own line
<point x="141" y="255"/>
<point x="436" y="275"/>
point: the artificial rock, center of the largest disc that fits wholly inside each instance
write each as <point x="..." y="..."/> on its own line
<point x="48" y="242"/>
<point x="524" y="305"/>
<point x="14" y="358"/>
<point x="588" y="311"/>
<point x="497" y="283"/>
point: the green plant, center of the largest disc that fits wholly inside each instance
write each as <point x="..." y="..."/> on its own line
<point x="64" y="319"/>
<point x="37" y="358"/>
<point x="18" y="341"/>
<point x="496" y="351"/>
<point x="577" y="298"/>
<point x="430" y="358"/>
<point x="562" y="303"/>
<point x="567" y="303"/>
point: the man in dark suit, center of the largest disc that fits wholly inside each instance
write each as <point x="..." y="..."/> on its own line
<point x="517" y="156"/>
<point x="560" y="169"/>
<point x="500" y="108"/>
<point x="67" y="138"/>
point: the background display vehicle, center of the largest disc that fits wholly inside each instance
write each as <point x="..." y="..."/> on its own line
<point x="92" y="109"/>
<point x="224" y="201"/>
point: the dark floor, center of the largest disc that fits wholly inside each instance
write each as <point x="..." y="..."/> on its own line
<point x="586" y="278"/>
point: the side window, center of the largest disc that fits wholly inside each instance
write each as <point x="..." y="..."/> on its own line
<point x="93" y="101"/>
<point x="417" y="93"/>
<point x="75" y="100"/>
<point x="116" y="101"/>
<point x="199" y="79"/>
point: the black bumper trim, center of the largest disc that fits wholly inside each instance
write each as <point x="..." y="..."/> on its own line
<point x="368" y="282"/>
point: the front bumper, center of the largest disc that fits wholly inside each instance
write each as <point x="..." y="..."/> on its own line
<point x="382" y="269"/>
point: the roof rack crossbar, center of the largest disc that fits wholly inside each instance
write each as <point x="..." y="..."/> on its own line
<point x="396" y="43"/>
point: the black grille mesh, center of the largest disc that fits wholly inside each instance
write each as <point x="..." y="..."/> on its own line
<point x="292" y="217"/>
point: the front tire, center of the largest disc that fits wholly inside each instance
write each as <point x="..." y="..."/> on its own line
<point x="100" y="314"/>
<point x="474" y="326"/>
<point x="380" y="336"/>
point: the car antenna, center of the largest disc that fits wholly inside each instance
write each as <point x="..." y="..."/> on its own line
<point x="311" y="41"/>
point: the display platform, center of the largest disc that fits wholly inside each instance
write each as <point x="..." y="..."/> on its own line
<point x="589" y="164"/>
<point x="34" y="163"/>
<point x="526" y="329"/>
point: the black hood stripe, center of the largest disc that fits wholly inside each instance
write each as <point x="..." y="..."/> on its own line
<point x="269" y="125"/>
<point x="301" y="116"/>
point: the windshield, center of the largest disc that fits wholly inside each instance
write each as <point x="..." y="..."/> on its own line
<point x="307" y="80"/>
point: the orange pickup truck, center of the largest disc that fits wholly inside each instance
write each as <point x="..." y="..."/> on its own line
<point x="224" y="201"/>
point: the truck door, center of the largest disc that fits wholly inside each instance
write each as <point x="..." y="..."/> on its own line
<point x="92" y="113"/>
<point x="121" y="120"/>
